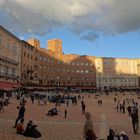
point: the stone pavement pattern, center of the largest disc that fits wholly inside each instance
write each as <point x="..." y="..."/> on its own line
<point x="71" y="128"/>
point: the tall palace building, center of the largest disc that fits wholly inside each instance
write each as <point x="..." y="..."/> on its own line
<point x="26" y="62"/>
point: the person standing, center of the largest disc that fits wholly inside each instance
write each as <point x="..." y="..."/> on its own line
<point x="32" y="99"/>
<point x="123" y="108"/>
<point x="65" y="112"/>
<point x="2" y="105"/>
<point x="129" y="110"/>
<point x="20" y="114"/>
<point x="117" y="107"/>
<point x="135" y="120"/>
<point x="83" y="108"/>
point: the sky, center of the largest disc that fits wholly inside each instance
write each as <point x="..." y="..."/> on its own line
<point x="107" y="28"/>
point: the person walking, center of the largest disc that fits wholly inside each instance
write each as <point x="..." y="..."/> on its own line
<point x="135" y="120"/>
<point x="20" y="114"/>
<point x="88" y="128"/>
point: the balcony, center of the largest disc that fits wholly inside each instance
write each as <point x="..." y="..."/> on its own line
<point x="9" y="75"/>
<point x="2" y="74"/>
<point x="8" y="60"/>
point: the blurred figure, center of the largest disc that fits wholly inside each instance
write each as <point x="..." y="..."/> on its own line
<point x="88" y="128"/>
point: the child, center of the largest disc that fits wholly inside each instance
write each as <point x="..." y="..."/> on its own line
<point x="19" y="127"/>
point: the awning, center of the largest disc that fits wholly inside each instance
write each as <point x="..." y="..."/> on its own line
<point x="9" y="85"/>
<point x="131" y="88"/>
<point x="37" y="87"/>
<point x="87" y="88"/>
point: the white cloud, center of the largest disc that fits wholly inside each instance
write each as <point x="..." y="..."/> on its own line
<point x="43" y="16"/>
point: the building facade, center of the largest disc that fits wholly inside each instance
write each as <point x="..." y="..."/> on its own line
<point x="58" y="69"/>
<point x="116" y="72"/>
<point x="29" y="64"/>
<point x="10" y="56"/>
<point x="138" y="70"/>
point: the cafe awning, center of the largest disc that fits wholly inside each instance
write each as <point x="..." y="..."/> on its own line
<point x="8" y="85"/>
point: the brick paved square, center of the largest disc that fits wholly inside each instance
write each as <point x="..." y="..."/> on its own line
<point x="71" y="128"/>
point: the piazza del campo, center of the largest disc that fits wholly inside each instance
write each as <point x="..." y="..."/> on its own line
<point x="49" y="94"/>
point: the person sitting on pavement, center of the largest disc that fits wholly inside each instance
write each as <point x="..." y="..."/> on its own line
<point x="31" y="130"/>
<point x="20" y="128"/>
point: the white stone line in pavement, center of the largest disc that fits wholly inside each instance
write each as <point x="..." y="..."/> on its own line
<point x="68" y="122"/>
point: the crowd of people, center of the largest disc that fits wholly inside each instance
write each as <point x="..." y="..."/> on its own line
<point x="71" y="99"/>
<point x="132" y="108"/>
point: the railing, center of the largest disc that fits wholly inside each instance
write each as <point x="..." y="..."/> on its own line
<point x="8" y="75"/>
<point x="8" y="60"/>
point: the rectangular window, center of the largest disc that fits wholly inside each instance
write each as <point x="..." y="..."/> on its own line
<point x="24" y="54"/>
<point x="14" y="48"/>
<point x="58" y="62"/>
<point x="8" y="43"/>
<point x="73" y="63"/>
<point x="52" y="61"/>
<point x="86" y="71"/>
<point x="82" y="71"/>
<point x="77" y="71"/>
<point x="6" y="70"/>
<point x="44" y="59"/>
<point x="13" y="72"/>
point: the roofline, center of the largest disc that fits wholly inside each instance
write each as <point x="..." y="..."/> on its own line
<point x="8" y="32"/>
<point x="117" y="58"/>
<point x="23" y="41"/>
<point x="33" y="39"/>
<point x="55" y="39"/>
